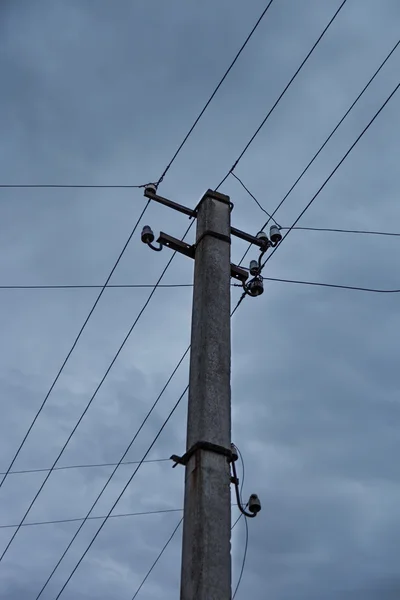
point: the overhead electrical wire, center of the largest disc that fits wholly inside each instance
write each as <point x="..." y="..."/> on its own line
<point x="355" y="231"/>
<point x="118" y="464"/>
<point x="157" y="559"/>
<point x="87" y="466"/>
<point x="162" y="552"/>
<point x="334" y="171"/>
<point x="139" y="464"/>
<point x="79" y="519"/>
<point x="214" y="92"/>
<point x="246" y="543"/>
<point x="161" y="178"/>
<point x="331" y="285"/>
<point x="72" y="347"/>
<point x="318" y="153"/>
<point x="123" y="491"/>
<point x="125" y="246"/>
<point x="281" y="96"/>
<point x="91" y="400"/>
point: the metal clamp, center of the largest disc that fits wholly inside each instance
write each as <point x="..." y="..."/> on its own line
<point x="214" y="234"/>
<point x="183" y="460"/>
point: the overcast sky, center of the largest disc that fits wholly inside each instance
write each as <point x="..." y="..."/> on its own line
<point x="102" y="92"/>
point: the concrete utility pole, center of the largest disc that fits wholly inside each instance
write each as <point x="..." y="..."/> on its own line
<point x="206" y="551"/>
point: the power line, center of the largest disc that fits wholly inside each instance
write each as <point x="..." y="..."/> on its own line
<point x="158" y="558"/>
<point x="77" y="519"/>
<point x="123" y="491"/>
<point x="92" y="398"/>
<point x="70" y="186"/>
<point x="162" y="552"/>
<point x="246" y="544"/>
<point x="355" y="231"/>
<point x="214" y="92"/>
<point x="325" y="143"/>
<point x="334" y="170"/>
<point x="331" y="285"/>
<point x="260" y="206"/>
<point x="101" y="186"/>
<point x="281" y="96"/>
<point x="74" y="345"/>
<point x="87" y="549"/>
<point x="119" y="258"/>
<point x="87" y="466"/>
<point x="88" y="287"/>
<point x="139" y="463"/>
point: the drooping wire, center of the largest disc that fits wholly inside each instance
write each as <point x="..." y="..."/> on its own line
<point x="113" y="473"/>
<point x="214" y="93"/>
<point x="86" y="466"/>
<point x="87" y="549"/>
<point x="157" y="559"/>
<point x="144" y="210"/>
<point x="162" y="552"/>
<point x="88" y="287"/>
<point x="246" y="526"/>
<point x="281" y="96"/>
<point x="260" y="206"/>
<point x="246" y="544"/>
<point x="79" y="519"/>
<point x="325" y="143"/>
<point x="73" y="346"/>
<point x="91" y="399"/>
<point x="123" y="491"/>
<point x="355" y="231"/>
<point x="331" y="285"/>
<point x="334" y="170"/>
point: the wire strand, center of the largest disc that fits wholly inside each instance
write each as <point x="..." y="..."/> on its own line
<point x="355" y="231"/>
<point x="328" y="139"/>
<point x="78" y="519"/>
<point x="281" y="95"/>
<point x="87" y="466"/>
<point x="123" y="491"/>
<point x="214" y="93"/>
<point x="93" y="397"/>
<point x="334" y="170"/>
<point x="331" y="285"/>
<point x="73" y="346"/>
<point x="113" y="473"/>
<point x="157" y="559"/>
<point x="255" y="200"/>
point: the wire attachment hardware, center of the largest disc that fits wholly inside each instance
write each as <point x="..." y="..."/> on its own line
<point x="183" y="460"/>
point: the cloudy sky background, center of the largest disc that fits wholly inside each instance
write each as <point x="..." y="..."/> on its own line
<point x="101" y="92"/>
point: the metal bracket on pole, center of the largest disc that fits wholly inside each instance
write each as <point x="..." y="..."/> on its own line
<point x="183" y="460"/>
<point x="190" y="251"/>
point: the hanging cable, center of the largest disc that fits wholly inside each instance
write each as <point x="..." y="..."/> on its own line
<point x="334" y="170"/>
<point x="355" y="231"/>
<point x="124" y="248"/>
<point x="87" y="466"/>
<point x="214" y="93"/>
<point x="79" y="519"/>
<point x="123" y="491"/>
<point x="235" y="164"/>
<point x="73" y="346"/>
<point x="331" y="285"/>
<point x="91" y="399"/>
<point x="113" y="473"/>
<point x="325" y="143"/>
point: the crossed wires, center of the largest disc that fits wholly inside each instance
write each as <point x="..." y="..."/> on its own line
<point x="103" y="289"/>
<point x="348" y="111"/>
<point x="166" y="422"/>
<point x="93" y="539"/>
